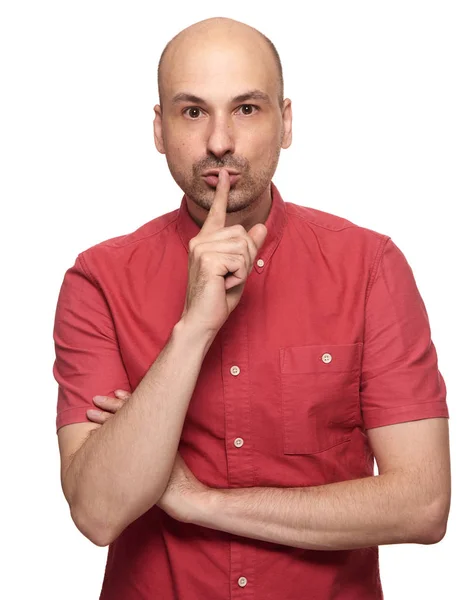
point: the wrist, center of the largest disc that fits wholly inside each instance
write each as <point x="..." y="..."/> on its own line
<point x="193" y="333"/>
<point x="208" y="504"/>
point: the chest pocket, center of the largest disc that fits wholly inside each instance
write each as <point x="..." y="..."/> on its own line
<point x="320" y="395"/>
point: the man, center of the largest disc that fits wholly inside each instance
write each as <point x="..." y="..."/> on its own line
<point x="251" y="357"/>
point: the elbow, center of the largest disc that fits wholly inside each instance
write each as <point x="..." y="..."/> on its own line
<point x="95" y="532"/>
<point x="433" y="527"/>
<point x="433" y="535"/>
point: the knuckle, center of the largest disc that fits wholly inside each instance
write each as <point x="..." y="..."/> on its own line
<point x="238" y="259"/>
<point x="205" y="259"/>
<point x="244" y="245"/>
<point x="238" y="229"/>
<point x="237" y="245"/>
<point x="192" y="244"/>
<point x="197" y="251"/>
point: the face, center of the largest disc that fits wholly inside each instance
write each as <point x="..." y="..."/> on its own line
<point x="221" y="109"/>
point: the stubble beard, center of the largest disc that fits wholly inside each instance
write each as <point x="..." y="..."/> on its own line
<point x="242" y="195"/>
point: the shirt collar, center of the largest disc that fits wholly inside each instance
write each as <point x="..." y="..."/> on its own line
<point x="275" y="223"/>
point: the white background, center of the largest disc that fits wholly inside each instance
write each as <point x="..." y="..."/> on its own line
<point x="378" y="91"/>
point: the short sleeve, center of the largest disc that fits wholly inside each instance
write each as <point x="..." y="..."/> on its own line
<point x="87" y="356"/>
<point x="400" y="380"/>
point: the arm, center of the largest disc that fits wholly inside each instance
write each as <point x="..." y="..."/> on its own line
<point x="123" y="468"/>
<point x="408" y="502"/>
<point x="103" y="498"/>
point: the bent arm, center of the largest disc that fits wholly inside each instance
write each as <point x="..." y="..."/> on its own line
<point x="408" y="502"/>
<point x="124" y="466"/>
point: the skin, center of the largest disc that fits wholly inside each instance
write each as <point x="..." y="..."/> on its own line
<point x="408" y="502"/>
<point x="184" y="490"/>
<point x="237" y="122"/>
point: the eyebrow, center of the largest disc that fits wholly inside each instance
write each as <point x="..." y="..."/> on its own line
<point x="250" y="95"/>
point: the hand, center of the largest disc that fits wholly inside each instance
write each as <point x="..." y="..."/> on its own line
<point x="184" y="494"/>
<point x="108" y="406"/>
<point x="219" y="263"/>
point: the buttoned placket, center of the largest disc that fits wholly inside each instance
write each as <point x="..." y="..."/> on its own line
<point x="238" y="439"/>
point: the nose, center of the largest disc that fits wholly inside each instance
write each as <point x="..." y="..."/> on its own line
<point x="220" y="137"/>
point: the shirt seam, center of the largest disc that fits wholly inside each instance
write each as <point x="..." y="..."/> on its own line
<point x="84" y="266"/>
<point x="140" y="239"/>
<point x="375" y="266"/>
<point x="87" y="272"/>
<point x="308" y="220"/>
<point x="290" y="212"/>
<point x="402" y="406"/>
<point x="86" y="406"/>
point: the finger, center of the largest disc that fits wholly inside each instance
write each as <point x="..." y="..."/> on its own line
<point x="217" y="213"/>
<point x="124" y="395"/>
<point x="98" y="416"/>
<point x="238" y="269"/>
<point x="254" y="237"/>
<point x="258" y="233"/>
<point x="239" y="247"/>
<point x="109" y="404"/>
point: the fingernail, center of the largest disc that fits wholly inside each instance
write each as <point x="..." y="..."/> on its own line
<point x="98" y="398"/>
<point x="93" y="413"/>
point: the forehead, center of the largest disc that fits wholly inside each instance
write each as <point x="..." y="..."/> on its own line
<point x="217" y="70"/>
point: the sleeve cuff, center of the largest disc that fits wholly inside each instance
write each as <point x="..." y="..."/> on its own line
<point x="404" y="413"/>
<point x="72" y="415"/>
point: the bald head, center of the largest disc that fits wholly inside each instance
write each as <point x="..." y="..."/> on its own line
<point x="217" y="35"/>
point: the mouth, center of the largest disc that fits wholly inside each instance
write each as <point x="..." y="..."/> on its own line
<point x="217" y="171"/>
<point x="211" y="177"/>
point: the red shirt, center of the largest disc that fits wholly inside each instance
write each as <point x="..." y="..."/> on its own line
<point x="330" y="338"/>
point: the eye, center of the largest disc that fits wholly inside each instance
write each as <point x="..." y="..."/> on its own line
<point x="248" y="109"/>
<point x="193" y="112"/>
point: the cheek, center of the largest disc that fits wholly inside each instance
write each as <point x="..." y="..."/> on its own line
<point x="180" y="139"/>
<point x="263" y="139"/>
<point x="262" y="149"/>
<point x="180" y="151"/>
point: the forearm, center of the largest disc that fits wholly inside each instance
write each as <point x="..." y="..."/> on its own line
<point x="386" y="509"/>
<point x="124" y="467"/>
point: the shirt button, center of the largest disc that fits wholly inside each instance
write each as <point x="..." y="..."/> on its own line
<point x="260" y="262"/>
<point x="238" y="442"/>
<point x="242" y="581"/>
<point x="235" y="370"/>
<point x="326" y="358"/>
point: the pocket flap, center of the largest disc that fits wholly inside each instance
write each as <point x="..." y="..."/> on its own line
<point x="321" y="358"/>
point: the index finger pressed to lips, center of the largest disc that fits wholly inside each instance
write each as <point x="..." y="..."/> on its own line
<point x="217" y="214"/>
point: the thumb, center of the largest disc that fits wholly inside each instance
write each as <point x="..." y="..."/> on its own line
<point x="258" y="233"/>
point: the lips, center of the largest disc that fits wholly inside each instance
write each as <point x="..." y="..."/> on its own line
<point x="217" y="171"/>
<point x="211" y="177"/>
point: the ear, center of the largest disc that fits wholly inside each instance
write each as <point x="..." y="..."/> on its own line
<point x="158" y="129"/>
<point x="287" y="123"/>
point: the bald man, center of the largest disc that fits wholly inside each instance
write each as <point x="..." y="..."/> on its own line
<point x="249" y="358"/>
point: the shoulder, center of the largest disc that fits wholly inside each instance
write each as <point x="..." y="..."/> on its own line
<point x="337" y="231"/>
<point x="142" y="242"/>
